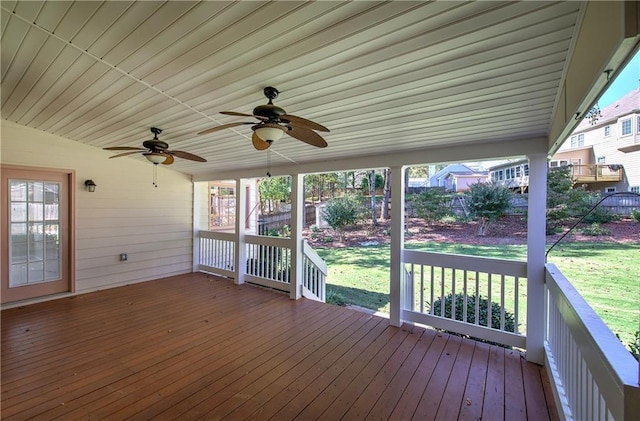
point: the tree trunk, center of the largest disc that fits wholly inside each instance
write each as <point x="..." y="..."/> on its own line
<point x="372" y="193"/>
<point x="386" y="194"/>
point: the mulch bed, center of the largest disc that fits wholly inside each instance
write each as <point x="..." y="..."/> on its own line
<point x="508" y="230"/>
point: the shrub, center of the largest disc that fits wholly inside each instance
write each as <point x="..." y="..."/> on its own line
<point x="635" y="215"/>
<point x="564" y="202"/>
<point x="600" y="216"/>
<point x="335" y="298"/>
<point x="496" y="309"/>
<point x="431" y="205"/>
<point x="487" y="202"/>
<point x="343" y="212"/>
<point x="634" y="347"/>
<point x="595" y="230"/>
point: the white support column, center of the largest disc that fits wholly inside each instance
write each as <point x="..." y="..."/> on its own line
<point x="396" y="278"/>
<point x="240" y="264"/>
<point x="536" y="239"/>
<point x="200" y="218"/>
<point x="297" y="219"/>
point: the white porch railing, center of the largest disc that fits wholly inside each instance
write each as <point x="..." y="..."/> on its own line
<point x="435" y="278"/>
<point x="593" y="376"/>
<point x="268" y="262"/>
<point x="217" y="252"/>
<point x="315" y="274"/>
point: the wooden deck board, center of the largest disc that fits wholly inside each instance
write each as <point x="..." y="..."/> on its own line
<point x="197" y="346"/>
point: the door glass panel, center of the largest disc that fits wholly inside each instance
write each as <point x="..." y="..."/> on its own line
<point x="34" y="247"/>
<point x="18" y="275"/>
<point x="19" y="191"/>
<point x="18" y="212"/>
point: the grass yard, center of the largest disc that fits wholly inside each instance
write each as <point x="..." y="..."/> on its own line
<point x="606" y="274"/>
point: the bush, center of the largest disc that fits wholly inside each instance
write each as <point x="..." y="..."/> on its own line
<point x="335" y="298"/>
<point x="564" y="202"/>
<point x="635" y="215"/>
<point x="496" y="309"/>
<point x="600" y="216"/>
<point x="343" y="212"/>
<point x="431" y="205"/>
<point x="595" y="230"/>
<point x="634" y="347"/>
<point x="486" y="203"/>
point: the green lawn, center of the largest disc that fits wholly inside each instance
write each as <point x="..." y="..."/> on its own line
<point x="607" y="275"/>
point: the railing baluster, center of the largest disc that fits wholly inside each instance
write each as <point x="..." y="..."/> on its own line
<point x="453" y="294"/>
<point x="464" y="295"/>
<point x="421" y="287"/>
<point x="501" y="302"/>
<point x="516" y="300"/>
<point x="489" y="301"/>
<point x="477" y="309"/>
<point x="431" y="297"/>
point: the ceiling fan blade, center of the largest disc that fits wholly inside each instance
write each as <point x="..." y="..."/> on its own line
<point x="224" y="126"/>
<point x="307" y="136"/>
<point x="186" y="155"/>
<point x="126" y="153"/>
<point x="258" y="143"/>
<point x="237" y="114"/>
<point x="169" y="159"/>
<point x="303" y="122"/>
<point x="123" y="148"/>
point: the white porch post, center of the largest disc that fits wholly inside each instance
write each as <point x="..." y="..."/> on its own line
<point x="536" y="238"/>
<point x="396" y="278"/>
<point x="240" y="264"/>
<point x="297" y="218"/>
<point x="200" y="218"/>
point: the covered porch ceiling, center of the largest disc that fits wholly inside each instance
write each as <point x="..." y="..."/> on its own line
<point x="387" y="78"/>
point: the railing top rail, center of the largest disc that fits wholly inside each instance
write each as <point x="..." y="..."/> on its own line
<point x="603" y="348"/>
<point x="471" y="263"/>
<point x="311" y="254"/>
<point x="217" y="235"/>
<point x="268" y="240"/>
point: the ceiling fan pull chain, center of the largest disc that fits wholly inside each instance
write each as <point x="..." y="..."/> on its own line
<point x="155" y="175"/>
<point x="269" y="163"/>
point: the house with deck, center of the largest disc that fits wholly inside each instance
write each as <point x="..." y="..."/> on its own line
<point x="119" y="300"/>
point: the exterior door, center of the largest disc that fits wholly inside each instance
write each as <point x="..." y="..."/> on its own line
<point x="36" y="233"/>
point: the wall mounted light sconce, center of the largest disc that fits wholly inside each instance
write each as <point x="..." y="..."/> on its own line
<point x="90" y="185"/>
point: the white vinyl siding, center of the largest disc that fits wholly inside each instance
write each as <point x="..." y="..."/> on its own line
<point x="126" y="213"/>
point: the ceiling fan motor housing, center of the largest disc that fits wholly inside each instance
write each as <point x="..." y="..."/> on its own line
<point x="155" y="145"/>
<point x="269" y="111"/>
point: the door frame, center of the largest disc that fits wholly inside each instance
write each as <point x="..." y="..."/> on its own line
<point x="70" y="176"/>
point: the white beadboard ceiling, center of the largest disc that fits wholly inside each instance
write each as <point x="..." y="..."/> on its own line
<point x="383" y="76"/>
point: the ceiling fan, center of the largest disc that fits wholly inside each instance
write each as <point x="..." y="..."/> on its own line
<point x="155" y="150"/>
<point x="273" y="123"/>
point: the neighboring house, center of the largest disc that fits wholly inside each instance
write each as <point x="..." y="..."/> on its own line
<point x="514" y="175"/>
<point x="603" y="157"/>
<point x="457" y="177"/>
<point x="606" y="155"/>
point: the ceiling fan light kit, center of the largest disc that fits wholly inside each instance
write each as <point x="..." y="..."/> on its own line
<point x="273" y="123"/>
<point x="155" y="157"/>
<point x="269" y="132"/>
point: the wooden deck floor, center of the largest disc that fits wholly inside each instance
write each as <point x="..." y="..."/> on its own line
<point x="199" y="347"/>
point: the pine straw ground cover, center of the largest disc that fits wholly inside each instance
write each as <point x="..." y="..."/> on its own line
<point x="605" y="269"/>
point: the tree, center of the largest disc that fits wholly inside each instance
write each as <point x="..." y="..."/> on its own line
<point x="487" y="202"/>
<point x="386" y="194"/>
<point x="342" y="212"/>
<point x="431" y="205"/>
<point x="372" y="197"/>
<point x="273" y="190"/>
<point x="564" y="202"/>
